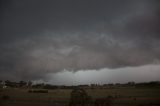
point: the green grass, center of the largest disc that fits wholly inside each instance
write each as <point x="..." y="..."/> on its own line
<point x="125" y="96"/>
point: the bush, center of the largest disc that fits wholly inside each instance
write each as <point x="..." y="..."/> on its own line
<point x="79" y="97"/>
<point x="5" y="97"/>
<point x="104" y="101"/>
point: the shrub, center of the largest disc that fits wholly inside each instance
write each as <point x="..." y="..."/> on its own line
<point x="79" y="97"/>
<point x="5" y="97"/>
<point x="104" y="101"/>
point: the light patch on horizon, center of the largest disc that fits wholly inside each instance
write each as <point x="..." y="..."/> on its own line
<point x="102" y="76"/>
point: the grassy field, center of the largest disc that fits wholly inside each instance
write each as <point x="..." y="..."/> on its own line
<point x="61" y="97"/>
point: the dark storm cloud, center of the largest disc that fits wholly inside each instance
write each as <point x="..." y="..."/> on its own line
<point x="39" y="37"/>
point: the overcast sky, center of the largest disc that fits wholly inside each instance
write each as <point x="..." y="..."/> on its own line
<point x="39" y="39"/>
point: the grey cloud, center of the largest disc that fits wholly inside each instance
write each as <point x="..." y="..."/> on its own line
<point x="38" y="57"/>
<point x="40" y="37"/>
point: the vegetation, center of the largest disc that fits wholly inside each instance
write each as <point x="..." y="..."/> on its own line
<point x="129" y="94"/>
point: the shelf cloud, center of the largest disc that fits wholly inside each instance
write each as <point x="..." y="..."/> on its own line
<point x="40" y="37"/>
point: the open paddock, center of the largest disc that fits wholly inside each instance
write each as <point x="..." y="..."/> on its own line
<point x="61" y="97"/>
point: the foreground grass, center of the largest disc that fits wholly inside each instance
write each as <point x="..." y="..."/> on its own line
<point x="60" y="97"/>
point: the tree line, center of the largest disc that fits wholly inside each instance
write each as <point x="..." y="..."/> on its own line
<point x="29" y="84"/>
